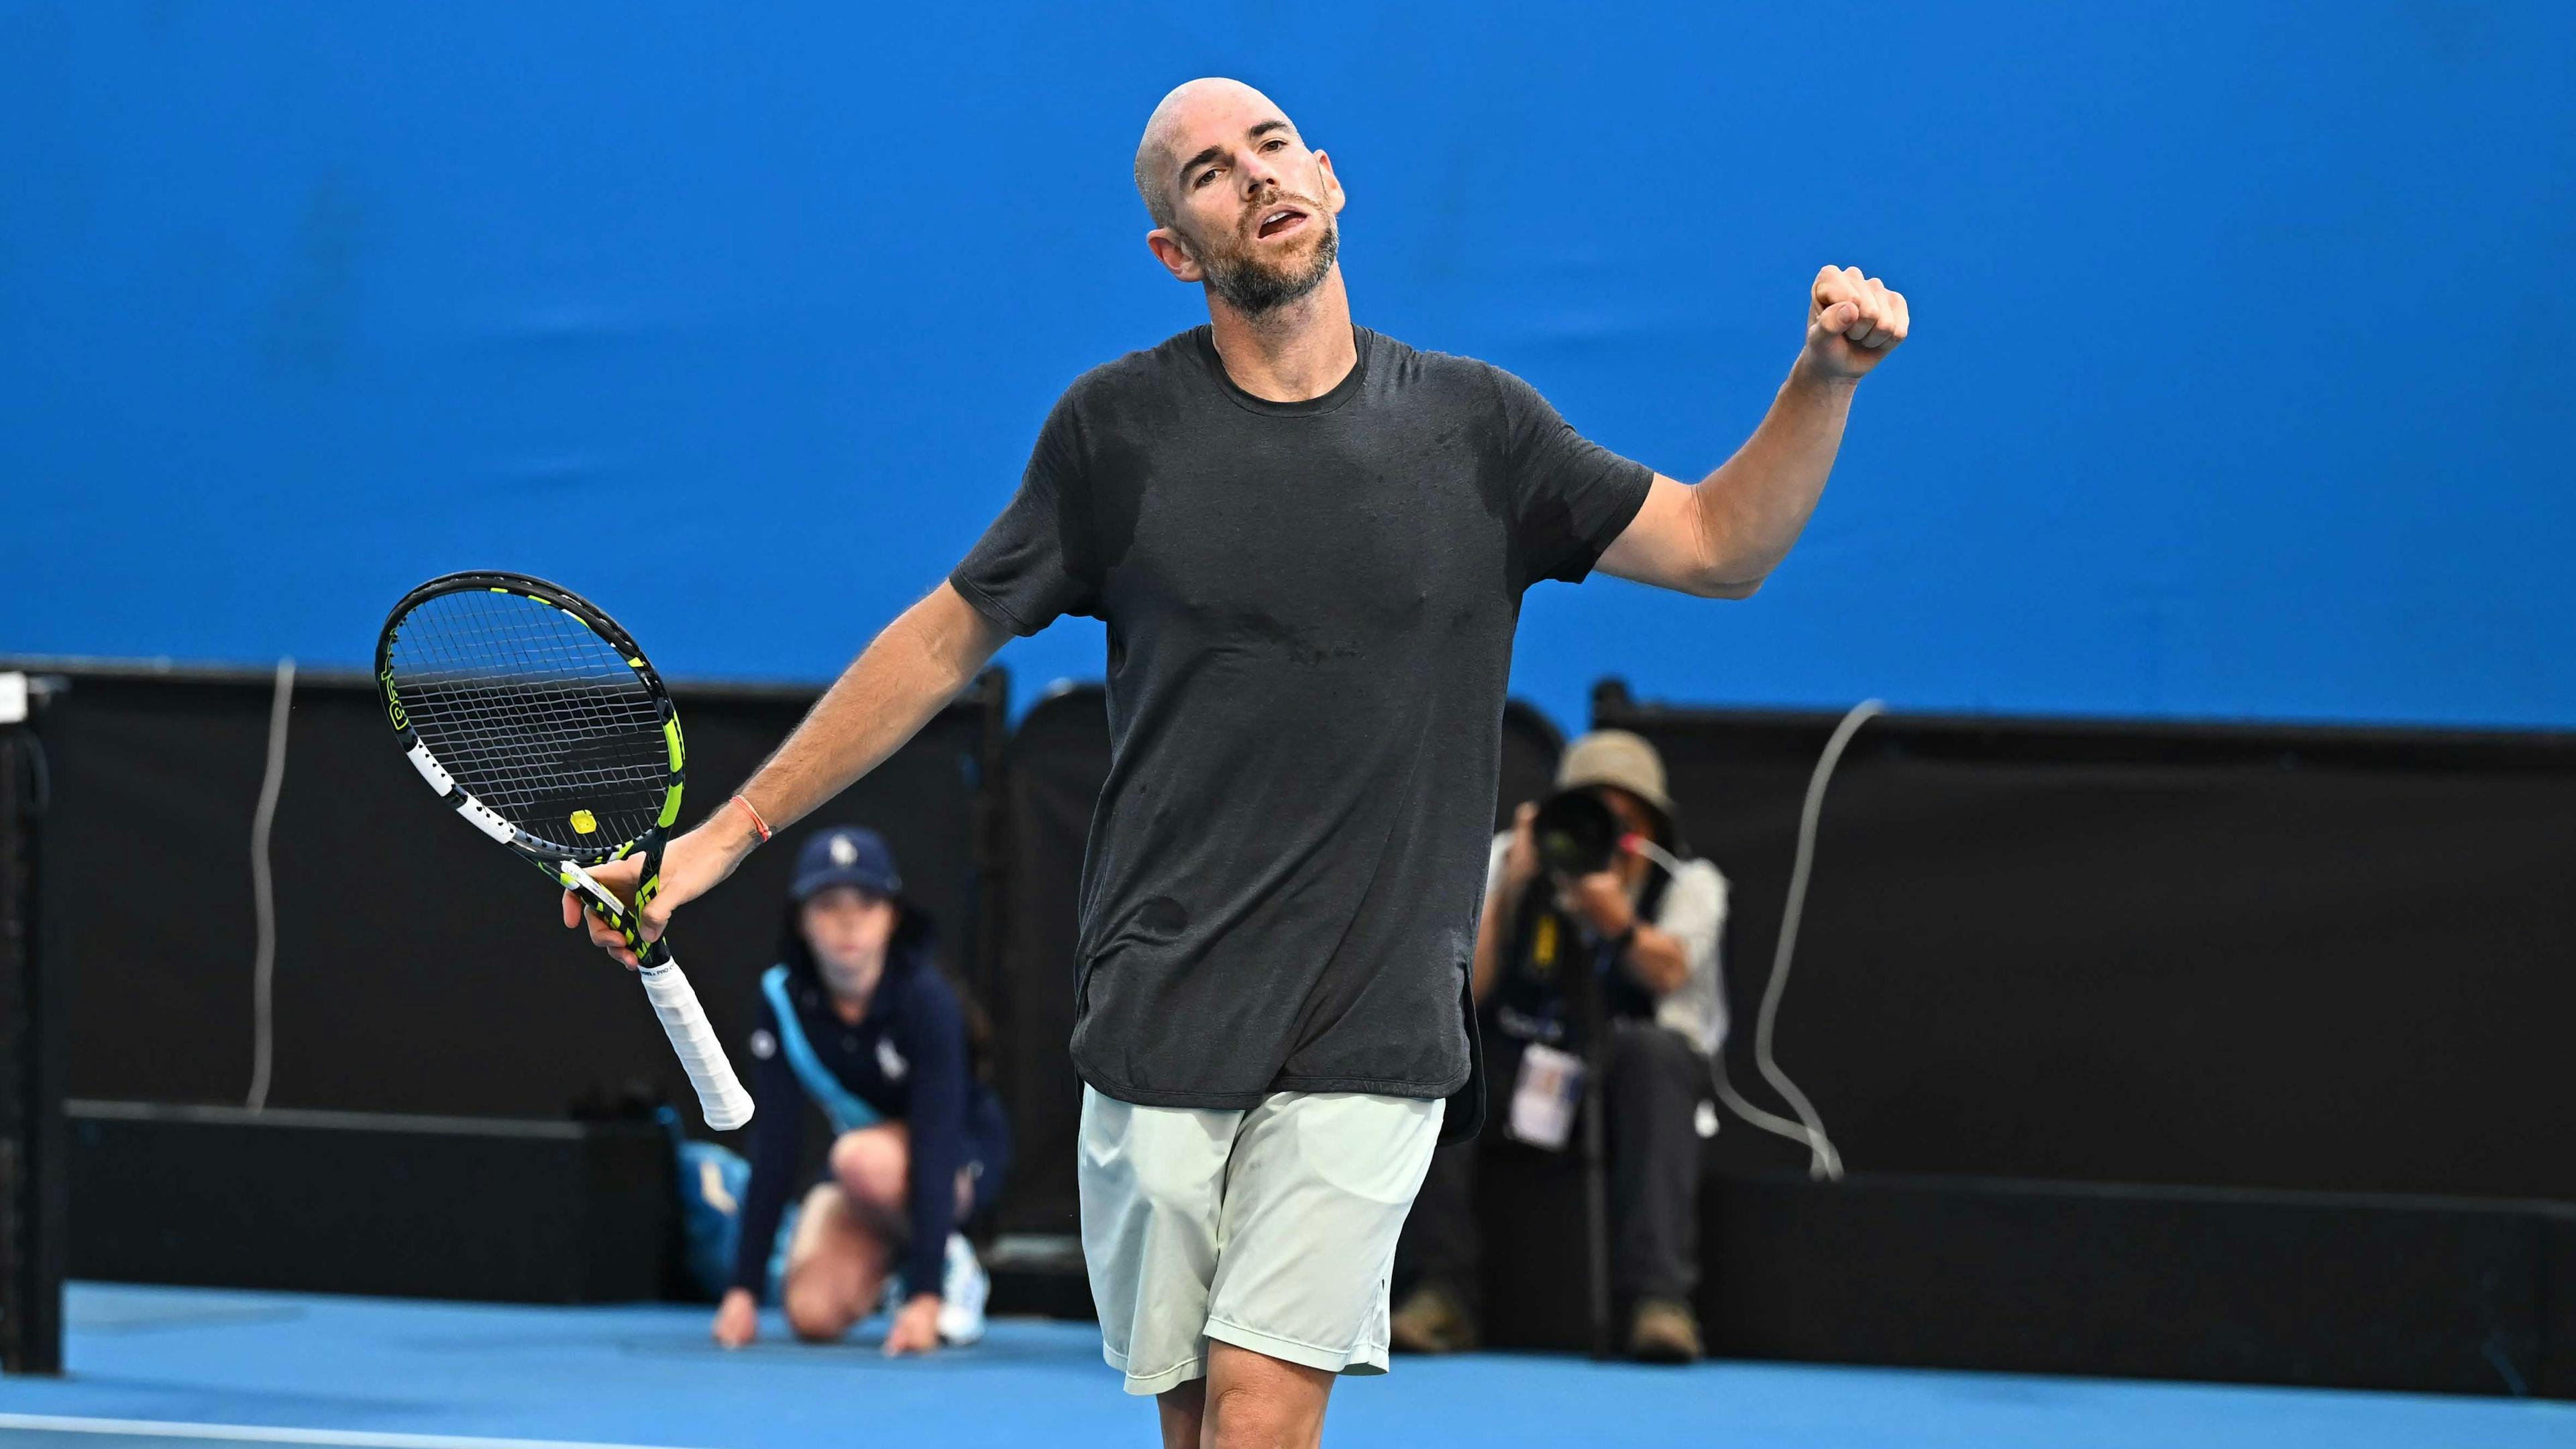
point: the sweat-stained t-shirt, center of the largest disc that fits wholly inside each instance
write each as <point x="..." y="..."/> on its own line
<point x="1310" y="610"/>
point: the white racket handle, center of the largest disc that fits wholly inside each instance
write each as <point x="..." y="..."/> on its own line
<point x="720" y="1093"/>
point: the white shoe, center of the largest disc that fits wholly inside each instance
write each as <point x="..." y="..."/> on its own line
<point x="963" y="1289"/>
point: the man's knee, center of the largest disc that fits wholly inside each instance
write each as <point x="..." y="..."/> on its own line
<point x="1248" y="1414"/>
<point x="1254" y="1399"/>
<point x="870" y="1163"/>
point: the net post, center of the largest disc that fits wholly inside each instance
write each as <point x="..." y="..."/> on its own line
<point x="32" y="1191"/>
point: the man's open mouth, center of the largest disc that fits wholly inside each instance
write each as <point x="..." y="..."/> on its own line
<point x="1279" y="219"/>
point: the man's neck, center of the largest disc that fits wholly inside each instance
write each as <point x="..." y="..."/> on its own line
<point x="1291" y="354"/>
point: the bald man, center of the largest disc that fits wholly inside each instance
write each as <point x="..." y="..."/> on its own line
<point x="1310" y="543"/>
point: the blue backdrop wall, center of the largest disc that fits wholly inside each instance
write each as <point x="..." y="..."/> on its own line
<point x="2240" y="383"/>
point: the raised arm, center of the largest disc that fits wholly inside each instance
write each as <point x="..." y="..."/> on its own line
<point x="1722" y="536"/>
<point x="929" y="653"/>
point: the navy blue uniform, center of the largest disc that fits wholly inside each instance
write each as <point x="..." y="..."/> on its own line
<point x="904" y="1061"/>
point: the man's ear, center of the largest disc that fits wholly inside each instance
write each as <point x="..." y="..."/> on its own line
<point x="1332" y="183"/>
<point x="1174" y="254"/>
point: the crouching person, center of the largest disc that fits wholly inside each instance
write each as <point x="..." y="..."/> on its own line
<point x="857" y="1020"/>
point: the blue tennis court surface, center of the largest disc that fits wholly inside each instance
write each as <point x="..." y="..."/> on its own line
<point x="177" y="1369"/>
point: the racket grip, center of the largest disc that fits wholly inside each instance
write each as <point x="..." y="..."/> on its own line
<point x="720" y="1093"/>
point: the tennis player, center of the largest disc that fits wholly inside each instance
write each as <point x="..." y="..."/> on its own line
<point x="1310" y="543"/>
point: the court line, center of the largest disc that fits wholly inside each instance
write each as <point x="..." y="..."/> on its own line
<point x="266" y="1434"/>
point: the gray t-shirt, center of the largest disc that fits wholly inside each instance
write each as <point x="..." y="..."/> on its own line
<point x="1310" y="610"/>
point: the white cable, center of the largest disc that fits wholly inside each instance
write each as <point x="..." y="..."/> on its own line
<point x="1823" y="1162"/>
<point x="1768" y="1122"/>
<point x="263" y="894"/>
<point x="1794" y="1131"/>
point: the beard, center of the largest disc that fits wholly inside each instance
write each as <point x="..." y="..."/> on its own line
<point x="1256" y="287"/>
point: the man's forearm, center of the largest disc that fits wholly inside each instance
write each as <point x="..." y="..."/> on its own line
<point x="929" y="653"/>
<point x="1752" y="509"/>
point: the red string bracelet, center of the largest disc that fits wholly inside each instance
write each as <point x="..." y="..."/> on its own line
<point x="754" y="811"/>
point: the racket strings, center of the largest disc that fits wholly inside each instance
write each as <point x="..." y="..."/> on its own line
<point x="535" y="715"/>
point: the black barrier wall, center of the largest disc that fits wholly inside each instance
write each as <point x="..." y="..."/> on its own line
<point x="2264" y="958"/>
<point x="2328" y="1290"/>
<point x="312" y="1202"/>
<point x="418" y="969"/>
<point x="2321" y="959"/>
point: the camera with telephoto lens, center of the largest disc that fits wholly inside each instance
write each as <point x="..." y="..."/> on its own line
<point x="1577" y="835"/>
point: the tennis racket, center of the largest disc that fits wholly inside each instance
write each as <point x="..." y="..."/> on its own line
<point x="536" y="717"/>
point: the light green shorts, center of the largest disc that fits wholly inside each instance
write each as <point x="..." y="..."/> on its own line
<point x="1272" y="1229"/>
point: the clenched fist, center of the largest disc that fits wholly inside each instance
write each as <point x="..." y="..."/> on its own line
<point x="1853" y="322"/>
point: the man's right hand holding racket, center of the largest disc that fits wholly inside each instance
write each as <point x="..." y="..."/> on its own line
<point x="692" y="865"/>
<point x="923" y="659"/>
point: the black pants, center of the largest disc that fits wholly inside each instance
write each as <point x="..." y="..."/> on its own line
<point x="1653" y="1085"/>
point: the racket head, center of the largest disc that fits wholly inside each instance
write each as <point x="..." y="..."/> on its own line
<point x="531" y="704"/>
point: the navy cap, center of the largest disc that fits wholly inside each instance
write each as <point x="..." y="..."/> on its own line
<point x="846" y="855"/>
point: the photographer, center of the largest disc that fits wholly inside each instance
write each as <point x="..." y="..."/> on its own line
<point x="1649" y="924"/>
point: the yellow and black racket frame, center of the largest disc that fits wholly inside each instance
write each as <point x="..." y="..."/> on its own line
<point x="562" y="862"/>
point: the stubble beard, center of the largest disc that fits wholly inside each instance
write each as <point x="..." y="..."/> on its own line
<point x="1256" y="288"/>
